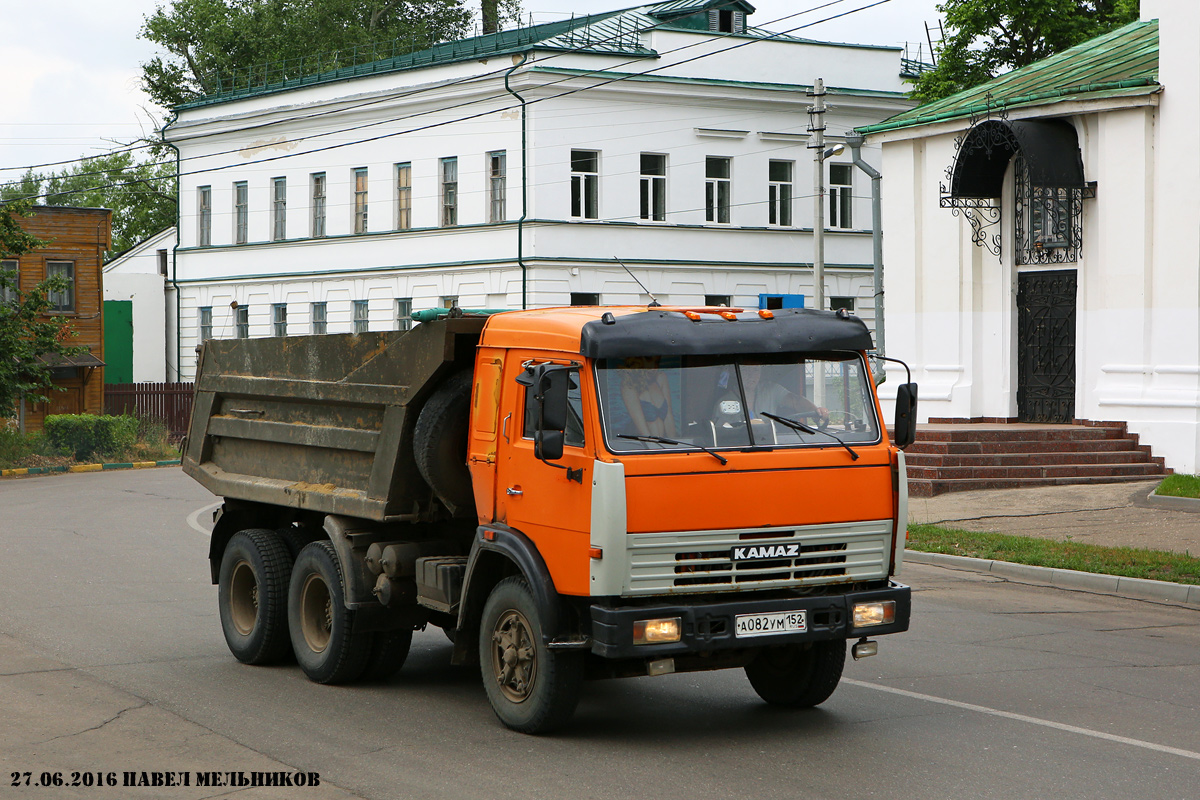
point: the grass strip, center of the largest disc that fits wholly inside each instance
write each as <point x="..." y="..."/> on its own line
<point x="1180" y="486"/>
<point x="1128" y="562"/>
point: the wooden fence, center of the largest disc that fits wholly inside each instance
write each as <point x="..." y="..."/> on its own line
<point x="170" y="402"/>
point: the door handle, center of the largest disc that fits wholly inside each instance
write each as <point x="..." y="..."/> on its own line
<point x="513" y="490"/>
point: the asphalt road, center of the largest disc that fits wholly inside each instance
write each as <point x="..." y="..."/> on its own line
<point x="112" y="660"/>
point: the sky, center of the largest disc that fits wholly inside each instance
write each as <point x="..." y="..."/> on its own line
<point x="81" y="96"/>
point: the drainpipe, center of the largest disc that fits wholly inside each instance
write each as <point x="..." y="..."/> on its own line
<point x="175" y="253"/>
<point x="855" y="141"/>
<point x="524" y="191"/>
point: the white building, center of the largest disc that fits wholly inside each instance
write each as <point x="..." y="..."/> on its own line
<point x="515" y="169"/>
<point x="1043" y="247"/>
<point x="138" y="277"/>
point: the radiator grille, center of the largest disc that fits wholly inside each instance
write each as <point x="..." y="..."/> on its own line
<point x="701" y="561"/>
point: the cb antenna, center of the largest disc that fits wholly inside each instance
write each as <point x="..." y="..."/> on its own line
<point x="653" y="300"/>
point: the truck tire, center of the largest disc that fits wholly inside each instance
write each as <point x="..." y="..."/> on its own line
<point x="532" y="688"/>
<point x="322" y="628"/>
<point x="389" y="649"/>
<point x="252" y="596"/>
<point x="797" y="675"/>
<point x="440" y="442"/>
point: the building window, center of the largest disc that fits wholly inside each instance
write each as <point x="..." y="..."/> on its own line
<point x="585" y="184"/>
<point x="279" y="209"/>
<point x="241" y="322"/>
<point x="717" y="186"/>
<point x="1048" y="220"/>
<point x="654" y="187"/>
<point x="360" y="200"/>
<point x="163" y="262"/>
<point x="403" y="196"/>
<point x="840" y="197"/>
<point x="838" y="303"/>
<point x="318" y="205"/>
<point x="11" y="269"/>
<point x="779" y="193"/>
<point x="241" y="212"/>
<point x="449" y="192"/>
<point x="497" y="212"/>
<point x="204" y="216"/>
<point x="205" y="331"/>
<point x="450" y="301"/>
<point x="585" y="298"/>
<point x="361" y="321"/>
<point x="404" y="320"/>
<point x="726" y="21"/>
<point x="320" y="322"/>
<point x="62" y="300"/>
<point x="717" y="300"/>
<point x="279" y="319"/>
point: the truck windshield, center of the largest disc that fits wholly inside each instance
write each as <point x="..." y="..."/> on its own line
<point x="724" y="401"/>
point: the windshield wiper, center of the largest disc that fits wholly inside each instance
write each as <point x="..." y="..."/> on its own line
<point x="800" y="426"/>
<point x="665" y="440"/>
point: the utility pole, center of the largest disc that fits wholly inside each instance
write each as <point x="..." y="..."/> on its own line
<point x="816" y="126"/>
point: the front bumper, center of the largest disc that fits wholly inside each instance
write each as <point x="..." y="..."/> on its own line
<point x="708" y="626"/>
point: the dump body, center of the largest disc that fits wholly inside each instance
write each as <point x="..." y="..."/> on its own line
<point x="322" y="423"/>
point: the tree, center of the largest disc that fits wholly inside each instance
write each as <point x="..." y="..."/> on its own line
<point x="985" y="38"/>
<point x="141" y="194"/>
<point x="26" y="332"/>
<point x="211" y="43"/>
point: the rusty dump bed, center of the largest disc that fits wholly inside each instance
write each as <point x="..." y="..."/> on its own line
<point x="321" y="422"/>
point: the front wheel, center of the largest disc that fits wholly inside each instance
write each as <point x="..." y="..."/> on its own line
<point x="798" y="675"/>
<point x="252" y="599"/>
<point x="322" y="628"/>
<point x="532" y="688"/>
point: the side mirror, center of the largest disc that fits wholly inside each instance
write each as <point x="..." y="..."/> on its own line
<point x="906" y="415"/>
<point x="550" y="383"/>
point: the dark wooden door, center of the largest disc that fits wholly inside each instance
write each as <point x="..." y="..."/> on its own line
<point x="1046" y="346"/>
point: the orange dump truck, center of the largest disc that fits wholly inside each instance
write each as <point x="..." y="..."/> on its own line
<point x="569" y="493"/>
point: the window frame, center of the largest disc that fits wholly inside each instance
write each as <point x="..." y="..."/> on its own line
<point x="360" y="322"/>
<point x="585" y="185"/>
<point x="241" y="212"/>
<point x="497" y="166"/>
<point x="360" y="200"/>
<point x="780" y="194"/>
<point x="241" y="322"/>
<point x="841" y="197"/>
<point x="320" y="200"/>
<point x="404" y="195"/>
<point x="278" y="209"/>
<point x="204" y="323"/>
<point x="448" y="178"/>
<point x="653" y="188"/>
<point x="62" y="302"/>
<point x="204" y="216"/>
<point x="404" y="320"/>
<point x="9" y="294"/>
<point x="718" y="191"/>
<point x="279" y="319"/>
<point x="318" y="323"/>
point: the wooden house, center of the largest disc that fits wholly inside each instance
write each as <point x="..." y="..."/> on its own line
<point x="77" y="239"/>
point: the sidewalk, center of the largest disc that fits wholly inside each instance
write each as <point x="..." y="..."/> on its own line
<point x="1110" y="514"/>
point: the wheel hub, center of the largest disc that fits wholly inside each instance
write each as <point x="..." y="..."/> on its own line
<point x="514" y="657"/>
<point x="243" y="598"/>
<point x="316" y="613"/>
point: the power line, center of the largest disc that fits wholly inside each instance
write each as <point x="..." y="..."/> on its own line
<point x="495" y="110"/>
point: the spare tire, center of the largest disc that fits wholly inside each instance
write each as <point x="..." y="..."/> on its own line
<point x="440" y="443"/>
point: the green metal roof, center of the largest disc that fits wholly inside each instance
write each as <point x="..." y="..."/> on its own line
<point x="1121" y="63"/>
<point x="615" y="32"/>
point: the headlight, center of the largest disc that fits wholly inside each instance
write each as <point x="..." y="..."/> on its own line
<point x="868" y="614"/>
<point x="656" y="631"/>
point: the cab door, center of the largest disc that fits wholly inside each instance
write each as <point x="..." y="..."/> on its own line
<point x="549" y="502"/>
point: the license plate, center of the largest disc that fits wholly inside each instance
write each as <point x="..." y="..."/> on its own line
<point x="768" y="624"/>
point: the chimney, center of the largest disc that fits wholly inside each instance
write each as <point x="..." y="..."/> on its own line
<point x="491" y="14"/>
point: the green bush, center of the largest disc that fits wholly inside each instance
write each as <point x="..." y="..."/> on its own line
<point x="84" y="435"/>
<point x="16" y="447"/>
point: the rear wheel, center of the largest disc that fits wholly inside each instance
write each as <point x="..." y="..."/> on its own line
<point x="797" y="675"/>
<point x="532" y="688"/>
<point x="322" y="628"/>
<point x="252" y="598"/>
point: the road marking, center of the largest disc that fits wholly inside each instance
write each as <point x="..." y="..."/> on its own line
<point x="1045" y="723"/>
<point x="193" y="519"/>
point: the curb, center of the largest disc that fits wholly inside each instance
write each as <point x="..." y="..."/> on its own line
<point x="1173" y="503"/>
<point x="23" y="471"/>
<point x="1132" y="588"/>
